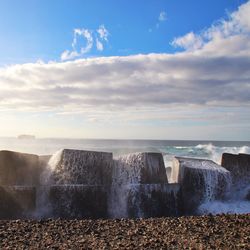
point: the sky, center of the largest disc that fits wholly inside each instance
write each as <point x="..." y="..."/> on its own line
<point x="141" y="69"/>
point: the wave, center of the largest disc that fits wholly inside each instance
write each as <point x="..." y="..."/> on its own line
<point x="210" y="148"/>
<point x="214" y="153"/>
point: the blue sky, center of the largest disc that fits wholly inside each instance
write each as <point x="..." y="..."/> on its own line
<point x="32" y="29"/>
<point x="156" y="69"/>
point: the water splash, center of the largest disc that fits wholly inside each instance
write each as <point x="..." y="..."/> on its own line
<point x="217" y="182"/>
<point x="54" y="160"/>
<point x="226" y="207"/>
<point x="214" y="153"/>
<point x="125" y="179"/>
<point x="236" y="203"/>
<point x="44" y="208"/>
<point x="118" y="204"/>
<point x="135" y="176"/>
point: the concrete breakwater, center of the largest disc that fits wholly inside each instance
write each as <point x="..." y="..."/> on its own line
<point x="89" y="184"/>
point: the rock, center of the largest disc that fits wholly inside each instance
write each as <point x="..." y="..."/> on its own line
<point x="245" y="192"/>
<point x="140" y="168"/>
<point x="248" y="195"/>
<point x="44" y="160"/>
<point x="144" y="200"/>
<point x="152" y="200"/>
<point x="140" y="187"/>
<point x="19" y="174"/>
<point x="200" y="181"/>
<point x="239" y="166"/>
<point x="78" y="201"/>
<point x="192" y="232"/>
<point x="17" y="202"/>
<point x="81" y="167"/>
<point x="18" y="169"/>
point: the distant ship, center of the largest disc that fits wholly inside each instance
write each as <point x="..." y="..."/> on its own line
<point x="26" y="137"/>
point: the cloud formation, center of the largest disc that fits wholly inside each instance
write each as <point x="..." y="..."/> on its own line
<point x="101" y="34"/>
<point x="99" y="45"/>
<point x="209" y="80"/>
<point x="153" y="80"/>
<point x="163" y="16"/>
<point x="85" y="33"/>
<point x="190" y="41"/>
<point x="231" y="36"/>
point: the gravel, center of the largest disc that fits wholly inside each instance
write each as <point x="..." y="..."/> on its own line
<point x="201" y="232"/>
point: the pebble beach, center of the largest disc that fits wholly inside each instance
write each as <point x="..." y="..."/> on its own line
<point x="193" y="232"/>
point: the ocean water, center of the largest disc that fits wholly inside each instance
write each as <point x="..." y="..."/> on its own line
<point x="198" y="149"/>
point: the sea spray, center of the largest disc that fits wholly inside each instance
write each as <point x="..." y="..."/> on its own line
<point x="82" y="167"/>
<point x="54" y="160"/>
<point x="117" y="201"/>
<point x="209" y="151"/>
<point x="236" y="203"/>
<point x="140" y="188"/>
<point x="44" y="208"/>
<point x="217" y="182"/>
<point x="225" y="207"/>
<point x="200" y="181"/>
<point x="125" y="179"/>
<point x="238" y="198"/>
<point x="75" y="184"/>
<point x="214" y="153"/>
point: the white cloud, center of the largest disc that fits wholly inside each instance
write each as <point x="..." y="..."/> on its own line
<point x="140" y="91"/>
<point x="163" y="16"/>
<point x="67" y="55"/>
<point x="153" y="81"/>
<point x="99" y="45"/>
<point x="208" y="83"/>
<point x="231" y="36"/>
<point x="189" y="42"/>
<point x="103" y="32"/>
<point x="88" y="35"/>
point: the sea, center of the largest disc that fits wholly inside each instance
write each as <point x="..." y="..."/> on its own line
<point x="169" y="148"/>
<point x="211" y="150"/>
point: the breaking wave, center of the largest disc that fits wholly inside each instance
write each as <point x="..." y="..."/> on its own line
<point x="206" y="151"/>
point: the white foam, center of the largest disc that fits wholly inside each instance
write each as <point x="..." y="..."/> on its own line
<point x="213" y="183"/>
<point x="126" y="178"/>
<point x="214" y="153"/>
<point x="52" y="164"/>
<point x="236" y="203"/>
<point x="44" y="209"/>
<point x="226" y="207"/>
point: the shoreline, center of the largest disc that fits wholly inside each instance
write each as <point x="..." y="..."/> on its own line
<point x="195" y="232"/>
